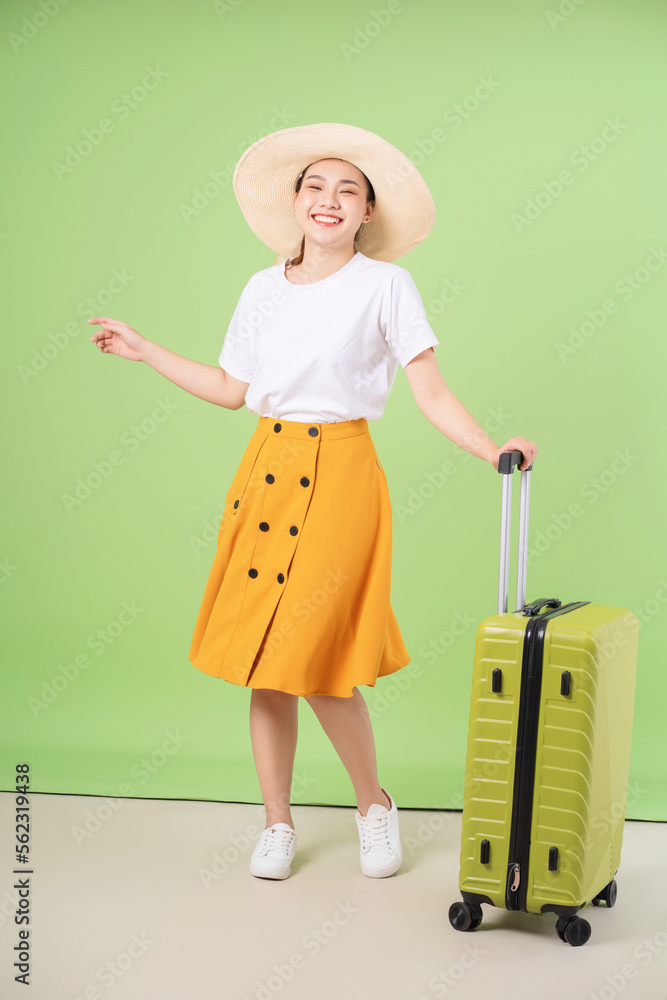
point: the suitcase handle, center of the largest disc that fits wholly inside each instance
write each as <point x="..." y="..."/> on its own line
<point x="535" y="607"/>
<point x="506" y="463"/>
<point x="508" y="459"/>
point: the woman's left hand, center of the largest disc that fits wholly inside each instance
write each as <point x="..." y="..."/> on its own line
<point x="527" y="448"/>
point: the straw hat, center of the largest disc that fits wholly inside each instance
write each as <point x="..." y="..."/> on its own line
<point x="266" y="174"/>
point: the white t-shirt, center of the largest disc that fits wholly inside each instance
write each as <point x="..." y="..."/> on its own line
<point x="327" y="351"/>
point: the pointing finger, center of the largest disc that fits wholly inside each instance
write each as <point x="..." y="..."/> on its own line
<point x="105" y="321"/>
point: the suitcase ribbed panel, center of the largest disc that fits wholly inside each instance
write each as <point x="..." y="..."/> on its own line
<point x="492" y="731"/>
<point x="583" y="754"/>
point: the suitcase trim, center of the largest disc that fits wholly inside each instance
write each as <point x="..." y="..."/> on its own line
<point x="524" y="776"/>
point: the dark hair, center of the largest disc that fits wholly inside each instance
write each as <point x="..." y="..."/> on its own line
<point x="369" y="197"/>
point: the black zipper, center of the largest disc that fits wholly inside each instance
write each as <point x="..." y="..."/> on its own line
<point x="526" y="747"/>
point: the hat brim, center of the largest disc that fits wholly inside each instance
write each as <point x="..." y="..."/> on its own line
<point x="265" y="177"/>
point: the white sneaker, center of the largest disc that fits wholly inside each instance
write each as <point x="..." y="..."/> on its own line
<point x="380" y="853"/>
<point x="272" y="857"/>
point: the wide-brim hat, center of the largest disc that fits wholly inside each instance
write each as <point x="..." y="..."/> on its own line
<point x="266" y="174"/>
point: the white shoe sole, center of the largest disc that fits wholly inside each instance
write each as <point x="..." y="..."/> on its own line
<point x="387" y="869"/>
<point x="275" y="873"/>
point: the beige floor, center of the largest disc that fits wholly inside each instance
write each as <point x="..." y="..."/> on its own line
<point x="154" y="901"/>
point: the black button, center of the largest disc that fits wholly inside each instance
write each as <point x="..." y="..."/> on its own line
<point x="305" y="481"/>
<point x="269" y="478"/>
<point x="293" y="530"/>
<point x="263" y="526"/>
<point x="252" y="573"/>
<point x="281" y="578"/>
<point x="277" y="427"/>
<point x="313" y="431"/>
<point x="236" y="503"/>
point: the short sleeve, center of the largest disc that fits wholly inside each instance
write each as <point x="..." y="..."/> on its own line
<point x="404" y="323"/>
<point x="236" y="356"/>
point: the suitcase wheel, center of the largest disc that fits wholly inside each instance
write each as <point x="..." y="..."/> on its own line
<point x="608" y="895"/>
<point x="465" y="916"/>
<point x="573" y="930"/>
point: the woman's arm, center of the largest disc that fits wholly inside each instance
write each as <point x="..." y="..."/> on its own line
<point x="439" y="405"/>
<point x="209" y="382"/>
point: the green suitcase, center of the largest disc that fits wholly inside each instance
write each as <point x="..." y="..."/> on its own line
<point x="548" y="750"/>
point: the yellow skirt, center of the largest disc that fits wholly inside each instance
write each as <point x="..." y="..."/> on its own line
<point x="298" y="597"/>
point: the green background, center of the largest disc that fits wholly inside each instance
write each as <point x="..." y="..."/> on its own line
<point x="140" y="229"/>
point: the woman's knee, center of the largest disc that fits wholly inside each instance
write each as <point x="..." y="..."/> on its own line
<point x="273" y="696"/>
<point x="328" y="699"/>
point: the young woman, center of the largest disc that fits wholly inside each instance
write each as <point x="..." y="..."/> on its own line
<point x="297" y="602"/>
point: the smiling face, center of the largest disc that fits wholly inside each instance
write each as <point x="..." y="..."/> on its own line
<point x="331" y="203"/>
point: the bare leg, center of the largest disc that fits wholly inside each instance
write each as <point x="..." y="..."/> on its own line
<point x="273" y="734"/>
<point x="347" y="723"/>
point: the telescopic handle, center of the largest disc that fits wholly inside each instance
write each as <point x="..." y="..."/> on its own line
<point x="506" y="464"/>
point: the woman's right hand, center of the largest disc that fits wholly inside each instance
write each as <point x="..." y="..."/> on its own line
<point x="117" y="337"/>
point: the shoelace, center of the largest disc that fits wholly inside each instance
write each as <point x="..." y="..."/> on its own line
<point x="276" y="840"/>
<point x="375" y="833"/>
